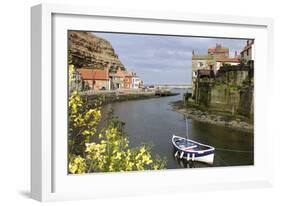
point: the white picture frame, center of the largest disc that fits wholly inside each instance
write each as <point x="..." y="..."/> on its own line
<point x="49" y="181"/>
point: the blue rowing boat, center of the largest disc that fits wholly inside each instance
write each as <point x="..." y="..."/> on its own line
<point x="193" y="151"/>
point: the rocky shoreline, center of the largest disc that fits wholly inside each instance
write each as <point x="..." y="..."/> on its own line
<point x="234" y="122"/>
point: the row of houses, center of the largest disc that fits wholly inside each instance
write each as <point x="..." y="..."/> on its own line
<point x="218" y="56"/>
<point x="102" y="79"/>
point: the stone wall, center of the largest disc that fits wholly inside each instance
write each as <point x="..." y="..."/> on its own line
<point x="246" y="104"/>
<point x="228" y="92"/>
<point x="109" y="97"/>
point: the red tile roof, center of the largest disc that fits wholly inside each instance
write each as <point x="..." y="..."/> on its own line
<point x="93" y="74"/>
<point x="247" y="47"/>
<point x="129" y="74"/>
<point x="122" y="73"/>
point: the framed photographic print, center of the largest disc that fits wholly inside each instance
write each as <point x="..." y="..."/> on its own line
<point x="135" y="102"/>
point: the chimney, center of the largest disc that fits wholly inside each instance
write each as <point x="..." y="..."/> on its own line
<point x="218" y="45"/>
<point x="235" y="54"/>
<point x="193" y="53"/>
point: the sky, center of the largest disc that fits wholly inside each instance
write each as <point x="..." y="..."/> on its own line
<point x="163" y="59"/>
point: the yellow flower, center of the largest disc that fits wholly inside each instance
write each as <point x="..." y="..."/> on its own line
<point x="118" y="155"/>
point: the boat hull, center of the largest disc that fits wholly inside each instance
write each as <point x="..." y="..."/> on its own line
<point x="205" y="156"/>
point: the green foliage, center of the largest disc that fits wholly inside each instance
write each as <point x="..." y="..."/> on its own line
<point x="110" y="152"/>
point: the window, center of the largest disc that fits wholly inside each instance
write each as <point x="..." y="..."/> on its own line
<point x="200" y="64"/>
<point x="195" y="74"/>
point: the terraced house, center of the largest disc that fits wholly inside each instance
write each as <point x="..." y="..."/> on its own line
<point x="247" y="53"/>
<point x="123" y="79"/>
<point x="94" y="79"/>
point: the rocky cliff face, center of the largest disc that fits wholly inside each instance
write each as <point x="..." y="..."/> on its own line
<point x="89" y="51"/>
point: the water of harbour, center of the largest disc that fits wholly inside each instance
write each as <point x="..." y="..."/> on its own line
<point x="154" y="121"/>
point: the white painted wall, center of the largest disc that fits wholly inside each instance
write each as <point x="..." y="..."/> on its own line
<point x="15" y="103"/>
<point x="135" y="82"/>
<point x="253" y="52"/>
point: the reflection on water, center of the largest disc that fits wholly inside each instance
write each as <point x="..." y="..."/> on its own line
<point x="153" y="121"/>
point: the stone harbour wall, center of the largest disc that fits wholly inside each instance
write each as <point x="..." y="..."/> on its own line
<point x="231" y="91"/>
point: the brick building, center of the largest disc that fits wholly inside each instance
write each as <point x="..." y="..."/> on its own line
<point x="94" y="79"/>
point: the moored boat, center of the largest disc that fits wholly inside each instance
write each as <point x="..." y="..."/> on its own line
<point x="192" y="150"/>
